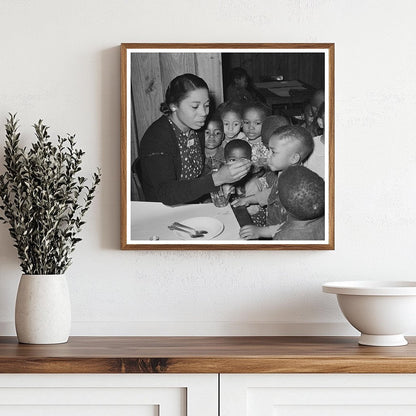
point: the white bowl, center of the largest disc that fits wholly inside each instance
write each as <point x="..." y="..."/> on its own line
<point x="381" y="311"/>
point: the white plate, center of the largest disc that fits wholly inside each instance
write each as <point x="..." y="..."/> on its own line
<point x="212" y="225"/>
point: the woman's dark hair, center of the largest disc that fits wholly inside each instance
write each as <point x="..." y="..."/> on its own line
<point x="178" y="89"/>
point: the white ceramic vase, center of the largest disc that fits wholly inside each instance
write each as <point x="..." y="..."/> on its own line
<point x="43" y="309"/>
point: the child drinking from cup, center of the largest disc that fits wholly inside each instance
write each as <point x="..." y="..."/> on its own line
<point x="270" y="124"/>
<point x="289" y="146"/>
<point x="235" y="151"/>
<point x="260" y="181"/>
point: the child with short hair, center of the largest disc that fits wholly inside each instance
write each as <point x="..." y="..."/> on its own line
<point x="254" y="115"/>
<point x="232" y="119"/>
<point x="302" y="194"/>
<point x="237" y="149"/>
<point x="318" y="125"/>
<point x="269" y="126"/>
<point x="234" y="151"/>
<point x="311" y="109"/>
<point x="260" y="181"/>
<point x="316" y="161"/>
<point x="289" y="146"/>
<point x="214" y="152"/>
<point x="240" y="88"/>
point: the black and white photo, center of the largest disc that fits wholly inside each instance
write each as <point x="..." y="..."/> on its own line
<point x="227" y="146"/>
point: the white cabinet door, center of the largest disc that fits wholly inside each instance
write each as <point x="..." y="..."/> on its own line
<point x="109" y="394"/>
<point x="318" y="394"/>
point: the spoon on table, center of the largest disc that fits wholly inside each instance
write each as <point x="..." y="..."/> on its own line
<point x="192" y="234"/>
<point x="178" y="224"/>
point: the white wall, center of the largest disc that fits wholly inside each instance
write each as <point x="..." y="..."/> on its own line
<point x="60" y="62"/>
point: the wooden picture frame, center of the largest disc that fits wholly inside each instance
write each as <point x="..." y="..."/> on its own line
<point x="146" y="71"/>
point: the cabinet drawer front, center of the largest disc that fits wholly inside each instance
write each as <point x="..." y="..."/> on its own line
<point x="108" y="394"/>
<point x="317" y="394"/>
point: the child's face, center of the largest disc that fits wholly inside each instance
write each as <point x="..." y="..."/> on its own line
<point x="321" y="121"/>
<point x="213" y="135"/>
<point x="252" y="122"/>
<point x="232" y="124"/>
<point x="318" y="98"/>
<point x="235" y="155"/>
<point x="282" y="154"/>
<point x="241" y="82"/>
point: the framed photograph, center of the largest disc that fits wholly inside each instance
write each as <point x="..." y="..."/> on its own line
<point x="227" y="146"/>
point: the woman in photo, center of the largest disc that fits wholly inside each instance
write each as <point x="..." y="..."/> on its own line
<point x="172" y="148"/>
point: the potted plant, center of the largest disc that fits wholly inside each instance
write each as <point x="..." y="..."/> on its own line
<point x="44" y="199"/>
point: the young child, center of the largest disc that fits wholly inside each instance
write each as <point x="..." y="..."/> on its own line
<point x="311" y="109"/>
<point x="319" y="122"/>
<point x="316" y="161"/>
<point x="240" y="88"/>
<point x="302" y="194"/>
<point x="232" y="119"/>
<point x="261" y="182"/>
<point x="289" y="146"/>
<point x="214" y="152"/>
<point x="270" y="124"/>
<point x="234" y="151"/>
<point x="254" y="115"/>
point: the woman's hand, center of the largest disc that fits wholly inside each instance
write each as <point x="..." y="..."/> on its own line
<point x="231" y="173"/>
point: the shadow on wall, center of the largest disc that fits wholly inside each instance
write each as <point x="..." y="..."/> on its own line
<point x="9" y="280"/>
<point x="109" y="104"/>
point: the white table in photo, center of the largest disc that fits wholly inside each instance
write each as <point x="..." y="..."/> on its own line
<point x="285" y="93"/>
<point x="151" y="219"/>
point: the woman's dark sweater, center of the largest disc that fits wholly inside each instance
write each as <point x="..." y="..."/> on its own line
<point x="160" y="166"/>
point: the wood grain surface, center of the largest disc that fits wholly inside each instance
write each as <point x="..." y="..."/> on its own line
<point x="206" y="355"/>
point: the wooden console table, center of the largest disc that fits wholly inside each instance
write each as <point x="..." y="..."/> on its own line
<point x="117" y="355"/>
<point x="206" y="376"/>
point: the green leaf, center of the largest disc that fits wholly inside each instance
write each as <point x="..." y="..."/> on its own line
<point x="44" y="198"/>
